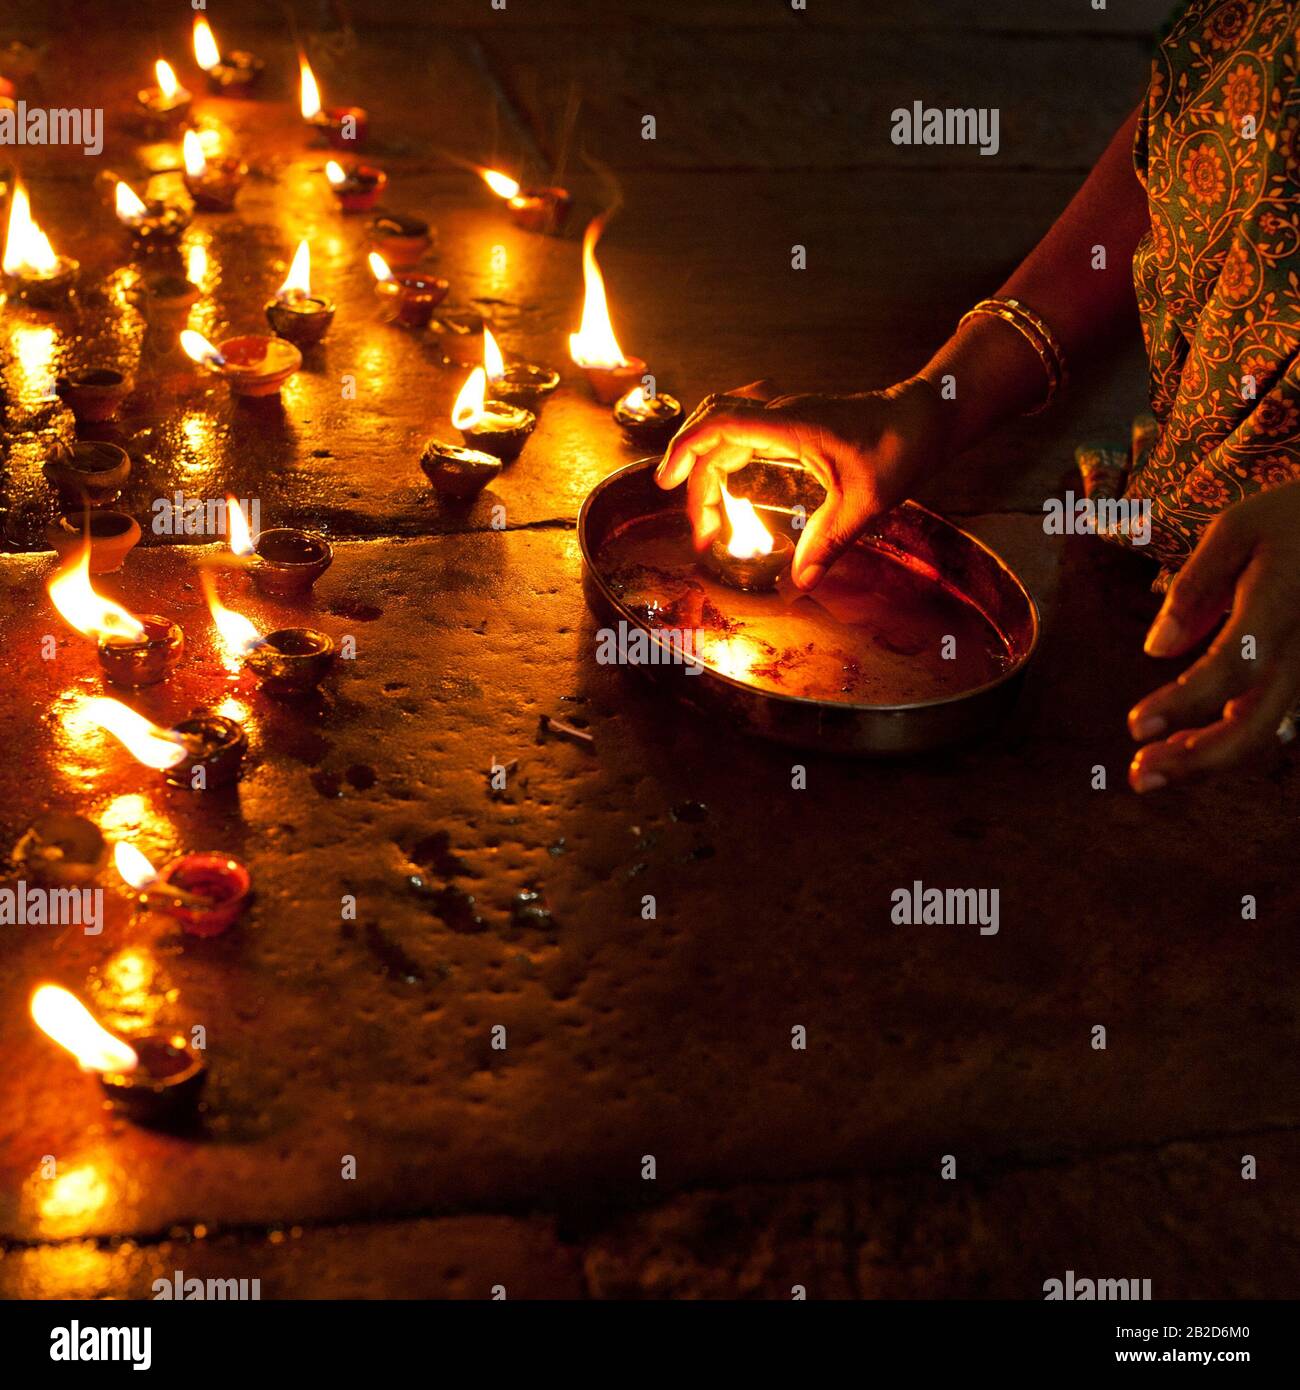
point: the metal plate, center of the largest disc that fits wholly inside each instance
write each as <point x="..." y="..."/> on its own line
<point x="859" y="667"/>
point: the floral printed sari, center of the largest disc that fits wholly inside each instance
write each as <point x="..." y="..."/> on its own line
<point x="1218" y="274"/>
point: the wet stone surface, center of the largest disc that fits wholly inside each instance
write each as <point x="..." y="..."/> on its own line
<point x="520" y="905"/>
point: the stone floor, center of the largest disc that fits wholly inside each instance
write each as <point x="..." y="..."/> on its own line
<point x="627" y="1038"/>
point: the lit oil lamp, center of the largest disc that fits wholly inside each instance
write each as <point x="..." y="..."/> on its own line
<point x="295" y="313"/>
<point x="153" y="1080"/>
<point x="399" y="239"/>
<point x="204" y="891"/>
<point x="345" y="127"/>
<point x="212" y="183"/>
<point x="413" y="297"/>
<point x="168" y="297"/>
<point x="290" y="661"/>
<point x="61" y="848"/>
<point x="253" y="365"/>
<point x="94" y="394"/>
<point x="460" y="333"/>
<point x="520" y="383"/>
<point x="134" y="650"/>
<point x="458" y="473"/>
<point x="357" y="187"/>
<point x="534" y="209"/>
<point x="594" y="347"/>
<point x="35" y="272"/>
<point x="492" y="427"/>
<point x="153" y="224"/>
<point x="648" y="421"/>
<point x="285" y="561"/>
<point x="232" y="74"/>
<point x="88" y="472"/>
<point x="751" y="557"/>
<point x="208" y="743"/>
<point x="166" y="104"/>
<point x="111" y="536"/>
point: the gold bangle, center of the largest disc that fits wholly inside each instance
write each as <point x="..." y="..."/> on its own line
<point x="1036" y="333"/>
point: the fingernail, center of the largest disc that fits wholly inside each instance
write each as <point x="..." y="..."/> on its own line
<point x="1165" y="635"/>
<point x="810" y="576"/>
<point x="1149" y="727"/>
<point x="1150" y="782"/>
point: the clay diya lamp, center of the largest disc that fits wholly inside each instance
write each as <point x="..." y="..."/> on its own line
<point x="214" y="743"/>
<point x="461" y="337"/>
<point x="356" y="186"/>
<point x="168" y="300"/>
<point x="287" y="561"/>
<point x="344" y="127"/>
<point x="153" y="225"/>
<point x="750" y="557"/>
<point x="490" y="427"/>
<point x="165" y="106"/>
<point x="292" y="660"/>
<point x="233" y="74"/>
<point x="62" y="849"/>
<point x="456" y="472"/>
<point x="412" y="297"/>
<point x="533" y="209"/>
<point x="254" y="366"/>
<point x="295" y="313"/>
<point x="518" y="383"/>
<point x="400" y="240"/>
<point x="143" y="660"/>
<point x="648" y="421"/>
<point x="112" y="535"/>
<point x="94" y="394"/>
<point x="89" y="472"/>
<point x="212" y="183"/>
<point x="609" y="383"/>
<point x="204" y="891"/>
<point x="34" y="272"/>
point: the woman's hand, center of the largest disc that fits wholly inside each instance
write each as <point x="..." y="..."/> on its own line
<point x="867" y="451"/>
<point x="1231" y="701"/>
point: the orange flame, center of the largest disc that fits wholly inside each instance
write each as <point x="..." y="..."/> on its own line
<point x="167" y="83"/>
<point x="501" y="184"/>
<point x="196" y="162"/>
<point x="90" y="613"/>
<point x="309" y="100"/>
<point x="197" y="348"/>
<point x="144" y="740"/>
<point x="237" y="531"/>
<point x="334" y="171"/>
<point x="206" y="53"/>
<point x="298" y="280"/>
<point x="493" y="363"/>
<point x="468" y="410"/>
<point x="749" y="537"/>
<point x="238" y="635"/>
<point x="27" y="248"/>
<point x="62" y="1017"/>
<point x="379" y="267"/>
<point x="196" y="264"/>
<point x="130" y="208"/>
<point x="134" y="867"/>
<point x="594" y="344"/>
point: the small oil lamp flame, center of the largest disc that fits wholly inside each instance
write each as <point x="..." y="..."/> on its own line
<point x="493" y="363"/>
<point x="594" y="344"/>
<point x="468" y="410"/>
<point x="196" y="264"/>
<point x="335" y="172"/>
<point x="90" y="613"/>
<point x="379" y="267"/>
<point x="298" y="280"/>
<point x="309" y="99"/>
<point x="237" y="529"/>
<point x="197" y="348"/>
<point x="145" y="741"/>
<point x="501" y="184"/>
<point x="749" y="537"/>
<point x="636" y="398"/>
<point x="130" y="208"/>
<point x="166" y="78"/>
<point x="64" y="1019"/>
<point x="196" y="162"/>
<point x="238" y="635"/>
<point x="134" y="867"/>
<point x="206" y="53"/>
<point x="27" y="248"/>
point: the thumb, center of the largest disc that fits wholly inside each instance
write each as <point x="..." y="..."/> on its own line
<point x="831" y="529"/>
<point x="1202" y="590"/>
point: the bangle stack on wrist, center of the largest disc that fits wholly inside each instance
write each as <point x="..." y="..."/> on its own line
<point x="1036" y="333"/>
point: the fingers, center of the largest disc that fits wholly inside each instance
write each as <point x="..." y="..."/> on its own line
<point x="704" y="504"/>
<point x="1202" y="590"/>
<point x="721" y="421"/>
<point x="831" y="529"/>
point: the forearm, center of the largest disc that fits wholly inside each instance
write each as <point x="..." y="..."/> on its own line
<point x="995" y="372"/>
